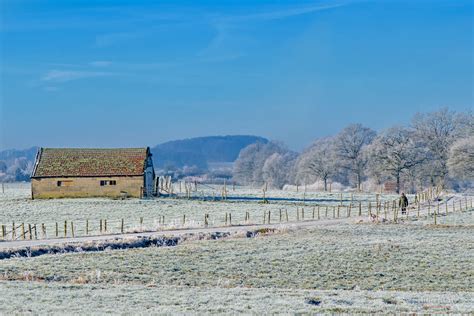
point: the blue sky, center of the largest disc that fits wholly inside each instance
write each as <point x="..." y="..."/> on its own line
<point x="135" y="73"/>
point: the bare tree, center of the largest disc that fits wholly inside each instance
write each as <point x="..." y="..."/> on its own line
<point x="437" y="131"/>
<point x="461" y="159"/>
<point x="394" y="152"/>
<point x="318" y="161"/>
<point x="277" y="169"/>
<point x="248" y="168"/>
<point x="349" y="146"/>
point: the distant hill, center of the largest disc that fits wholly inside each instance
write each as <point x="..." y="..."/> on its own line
<point x="16" y="165"/>
<point x="201" y="151"/>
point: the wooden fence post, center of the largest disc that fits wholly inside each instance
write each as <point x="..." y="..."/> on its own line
<point x="13" y="231"/>
<point x="100" y="226"/>
<point x="4" y="231"/>
<point x="269" y="216"/>
<point x="23" y="231"/>
<point x="105" y="225"/>
<point x="72" y="229"/>
<point x="286" y="213"/>
<point x="280" y="214"/>
<point x="57" y="230"/>
<point x="318" y="213"/>
<point x="121" y="226"/>
<point x="29" y="231"/>
<point x="360" y="208"/>
<point x="36" y="233"/>
<point x="43" y="228"/>
<point x="230" y="219"/>
<point x="314" y="209"/>
<point x="65" y="228"/>
<point x="87" y="227"/>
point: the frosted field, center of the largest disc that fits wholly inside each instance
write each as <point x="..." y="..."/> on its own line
<point x="16" y="206"/>
<point x="336" y="268"/>
<point x="349" y="267"/>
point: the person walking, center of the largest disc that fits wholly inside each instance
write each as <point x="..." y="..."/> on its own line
<point x="403" y="203"/>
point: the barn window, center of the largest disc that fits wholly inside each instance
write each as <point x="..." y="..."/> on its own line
<point x="64" y="183"/>
<point x="107" y="182"/>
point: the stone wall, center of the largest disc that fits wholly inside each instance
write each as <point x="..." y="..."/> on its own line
<point x="46" y="188"/>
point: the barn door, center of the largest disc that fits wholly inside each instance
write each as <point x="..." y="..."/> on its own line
<point x="149" y="178"/>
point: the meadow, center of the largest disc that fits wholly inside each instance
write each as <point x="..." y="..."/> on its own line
<point x="350" y="266"/>
<point x="167" y="213"/>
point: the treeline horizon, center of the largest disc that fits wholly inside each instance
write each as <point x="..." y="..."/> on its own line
<point x="432" y="149"/>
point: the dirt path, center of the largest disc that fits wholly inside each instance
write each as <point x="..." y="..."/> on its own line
<point x="171" y="233"/>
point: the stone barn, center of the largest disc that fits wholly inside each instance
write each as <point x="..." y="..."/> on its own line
<point x="78" y="172"/>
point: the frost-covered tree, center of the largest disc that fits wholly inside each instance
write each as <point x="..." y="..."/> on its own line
<point x="437" y="131"/>
<point x="3" y="167"/>
<point x="248" y="168"/>
<point x="318" y="162"/>
<point x="278" y="168"/>
<point x="395" y="152"/>
<point x="461" y="159"/>
<point x="349" y="147"/>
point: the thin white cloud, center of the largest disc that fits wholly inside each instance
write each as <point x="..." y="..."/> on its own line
<point x="223" y="45"/>
<point x="281" y="14"/>
<point x="70" y="75"/>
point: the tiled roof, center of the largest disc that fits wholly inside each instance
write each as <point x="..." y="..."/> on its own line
<point x="82" y="162"/>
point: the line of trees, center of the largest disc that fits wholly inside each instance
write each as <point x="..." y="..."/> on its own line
<point x="436" y="148"/>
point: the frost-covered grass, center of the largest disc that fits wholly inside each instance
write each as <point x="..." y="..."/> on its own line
<point x="56" y="298"/>
<point x="464" y="218"/>
<point x="345" y="267"/>
<point x="16" y="206"/>
<point x="367" y="257"/>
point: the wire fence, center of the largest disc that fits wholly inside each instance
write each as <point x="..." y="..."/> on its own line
<point x="378" y="212"/>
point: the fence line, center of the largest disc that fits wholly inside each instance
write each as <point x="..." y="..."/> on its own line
<point x="283" y="215"/>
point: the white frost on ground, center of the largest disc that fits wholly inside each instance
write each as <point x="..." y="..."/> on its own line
<point x="44" y="298"/>
<point x="17" y="206"/>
